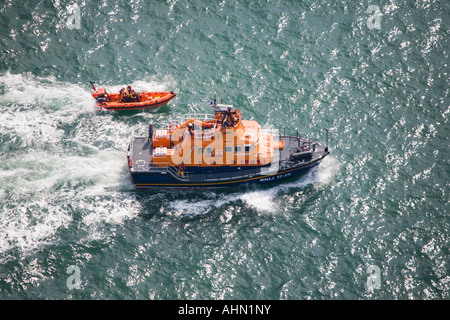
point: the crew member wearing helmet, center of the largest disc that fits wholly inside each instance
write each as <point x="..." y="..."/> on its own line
<point x="131" y="94"/>
<point x="121" y="95"/>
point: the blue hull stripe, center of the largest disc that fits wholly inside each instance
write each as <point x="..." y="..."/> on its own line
<point x="261" y="179"/>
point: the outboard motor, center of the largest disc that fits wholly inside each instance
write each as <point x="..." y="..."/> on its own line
<point x="101" y="95"/>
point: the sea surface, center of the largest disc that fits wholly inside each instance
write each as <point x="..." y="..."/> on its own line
<point x="371" y="222"/>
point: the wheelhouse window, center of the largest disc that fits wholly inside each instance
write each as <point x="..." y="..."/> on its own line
<point x="228" y="149"/>
<point x="237" y="148"/>
<point x="247" y="147"/>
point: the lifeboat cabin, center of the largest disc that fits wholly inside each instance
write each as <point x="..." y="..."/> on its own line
<point x="221" y="151"/>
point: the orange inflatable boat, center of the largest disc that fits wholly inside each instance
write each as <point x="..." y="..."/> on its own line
<point x="142" y="100"/>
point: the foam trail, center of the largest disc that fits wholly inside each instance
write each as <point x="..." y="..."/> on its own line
<point x="61" y="155"/>
<point x="43" y="184"/>
<point x="35" y="108"/>
<point x="263" y="200"/>
<point x="30" y="225"/>
<point x="328" y="169"/>
<point x="26" y="89"/>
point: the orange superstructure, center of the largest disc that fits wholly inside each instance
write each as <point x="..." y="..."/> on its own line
<point x="224" y="140"/>
<point x="203" y="151"/>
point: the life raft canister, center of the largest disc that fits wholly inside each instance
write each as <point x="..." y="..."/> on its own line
<point x="302" y="155"/>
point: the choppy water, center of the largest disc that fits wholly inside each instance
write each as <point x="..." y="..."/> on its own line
<point x="380" y="199"/>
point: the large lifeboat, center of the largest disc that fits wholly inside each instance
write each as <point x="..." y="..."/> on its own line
<point x="142" y="99"/>
<point x="221" y="151"/>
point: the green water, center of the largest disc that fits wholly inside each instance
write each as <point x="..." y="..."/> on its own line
<point x="380" y="199"/>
